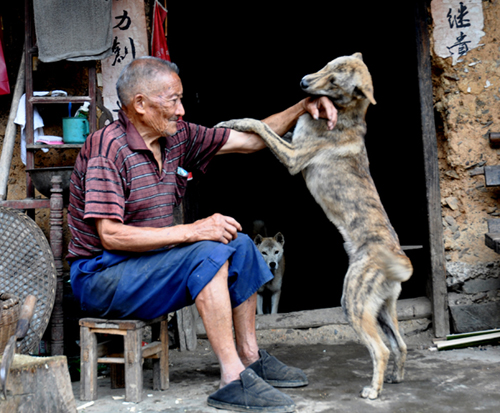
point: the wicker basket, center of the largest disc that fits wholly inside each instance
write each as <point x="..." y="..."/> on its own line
<point x="27" y="267"/>
<point x="9" y="314"/>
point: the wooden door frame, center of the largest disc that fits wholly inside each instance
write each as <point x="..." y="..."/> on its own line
<point x="438" y="292"/>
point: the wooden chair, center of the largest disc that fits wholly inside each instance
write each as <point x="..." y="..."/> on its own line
<point x="132" y="358"/>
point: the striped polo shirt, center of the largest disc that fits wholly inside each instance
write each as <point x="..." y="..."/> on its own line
<point x="116" y="177"/>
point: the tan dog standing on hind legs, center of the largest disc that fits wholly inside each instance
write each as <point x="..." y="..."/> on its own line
<point x="271" y="249"/>
<point x="335" y="166"/>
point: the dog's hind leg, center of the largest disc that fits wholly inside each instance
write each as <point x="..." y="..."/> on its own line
<point x="388" y="321"/>
<point x="379" y="353"/>
<point x="362" y="307"/>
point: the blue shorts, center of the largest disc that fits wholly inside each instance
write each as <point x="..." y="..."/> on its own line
<point x="148" y="285"/>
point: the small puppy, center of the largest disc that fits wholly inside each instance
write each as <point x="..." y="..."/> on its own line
<point x="335" y="166"/>
<point x="271" y="249"/>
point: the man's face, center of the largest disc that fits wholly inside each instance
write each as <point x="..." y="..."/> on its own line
<point x="164" y="108"/>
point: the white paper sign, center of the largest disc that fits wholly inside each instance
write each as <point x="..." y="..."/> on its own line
<point x="458" y="27"/>
<point x="129" y="42"/>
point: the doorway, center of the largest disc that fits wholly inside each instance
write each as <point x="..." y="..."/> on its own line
<point x="247" y="62"/>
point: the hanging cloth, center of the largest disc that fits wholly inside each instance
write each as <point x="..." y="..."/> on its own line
<point x="159" y="46"/>
<point x="73" y="29"/>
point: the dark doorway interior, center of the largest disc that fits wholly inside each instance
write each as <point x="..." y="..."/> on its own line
<point x="247" y="61"/>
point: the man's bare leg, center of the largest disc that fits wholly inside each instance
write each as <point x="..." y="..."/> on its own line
<point x="250" y="391"/>
<point x="244" y="327"/>
<point x="214" y="306"/>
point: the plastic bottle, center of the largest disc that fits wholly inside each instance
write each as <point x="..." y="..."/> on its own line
<point x="83" y="111"/>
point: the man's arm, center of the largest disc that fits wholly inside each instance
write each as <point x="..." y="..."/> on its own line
<point x="281" y="123"/>
<point x="116" y="236"/>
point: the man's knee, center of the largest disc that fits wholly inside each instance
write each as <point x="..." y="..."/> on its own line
<point x="218" y="282"/>
<point x="222" y="274"/>
<point x="215" y="294"/>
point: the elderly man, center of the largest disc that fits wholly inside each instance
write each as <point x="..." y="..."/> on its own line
<point x="128" y="260"/>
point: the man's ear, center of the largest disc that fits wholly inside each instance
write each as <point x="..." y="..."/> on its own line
<point x="139" y="103"/>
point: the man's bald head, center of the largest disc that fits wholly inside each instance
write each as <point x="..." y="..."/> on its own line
<point x="140" y="76"/>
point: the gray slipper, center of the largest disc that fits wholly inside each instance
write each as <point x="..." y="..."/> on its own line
<point x="251" y="394"/>
<point x="276" y="373"/>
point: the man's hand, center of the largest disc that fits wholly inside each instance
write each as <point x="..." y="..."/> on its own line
<point x="322" y="107"/>
<point x="217" y="227"/>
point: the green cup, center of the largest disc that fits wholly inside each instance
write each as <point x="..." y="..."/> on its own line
<point x="75" y="130"/>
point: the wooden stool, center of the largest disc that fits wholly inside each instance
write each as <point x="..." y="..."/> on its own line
<point x="133" y="355"/>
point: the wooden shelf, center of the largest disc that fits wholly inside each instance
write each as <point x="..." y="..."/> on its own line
<point x="31" y="50"/>
<point x="27" y="203"/>
<point x="59" y="99"/>
<point x="34" y="147"/>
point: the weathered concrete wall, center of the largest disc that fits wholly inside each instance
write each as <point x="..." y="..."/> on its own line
<point x="467" y="103"/>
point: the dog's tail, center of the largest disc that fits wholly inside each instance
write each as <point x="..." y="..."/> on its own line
<point x="397" y="265"/>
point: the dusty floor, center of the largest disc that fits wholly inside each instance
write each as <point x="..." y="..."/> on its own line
<point x="463" y="380"/>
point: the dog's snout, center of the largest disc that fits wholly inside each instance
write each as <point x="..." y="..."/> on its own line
<point x="272" y="265"/>
<point x="304" y="84"/>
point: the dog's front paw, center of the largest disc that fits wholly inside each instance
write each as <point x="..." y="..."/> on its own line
<point x="369" y="392"/>
<point x="226" y="124"/>
<point x="241" y="125"/>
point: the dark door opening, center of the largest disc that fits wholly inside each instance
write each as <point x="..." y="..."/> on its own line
<point x="248" y="62"/>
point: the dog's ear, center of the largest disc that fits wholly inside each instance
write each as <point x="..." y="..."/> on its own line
<point x="280" y="238"/>
<point x="365" y="92"/>
<point x="358" y="56"/>
<point x="258" y="239"/>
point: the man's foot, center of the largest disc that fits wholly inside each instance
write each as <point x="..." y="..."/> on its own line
<point x="251" y="394"/>
<point x="276" y="373"/>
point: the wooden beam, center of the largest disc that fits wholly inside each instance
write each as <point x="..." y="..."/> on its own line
<point x="492" y="240"/>
<point x="409" y="309"/>
<point x="151" y="349"/>
<point x="439" y="295"/>
<point x="109" y="331"/>
<point x="111" y="360"/>
<point x="10" y="132"/>
<point x="27" y="203"/>
<point x="492" y="175"/>
<point x="468" y="341"/>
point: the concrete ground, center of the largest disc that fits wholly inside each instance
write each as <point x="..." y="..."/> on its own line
<point x="463" y="380"/>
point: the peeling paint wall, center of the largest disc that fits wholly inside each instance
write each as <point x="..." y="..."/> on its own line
<point x="467" y="103"/>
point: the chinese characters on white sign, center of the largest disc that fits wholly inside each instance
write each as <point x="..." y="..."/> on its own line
<point x="458" y="27"/>
<point x="129" y="41"/>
